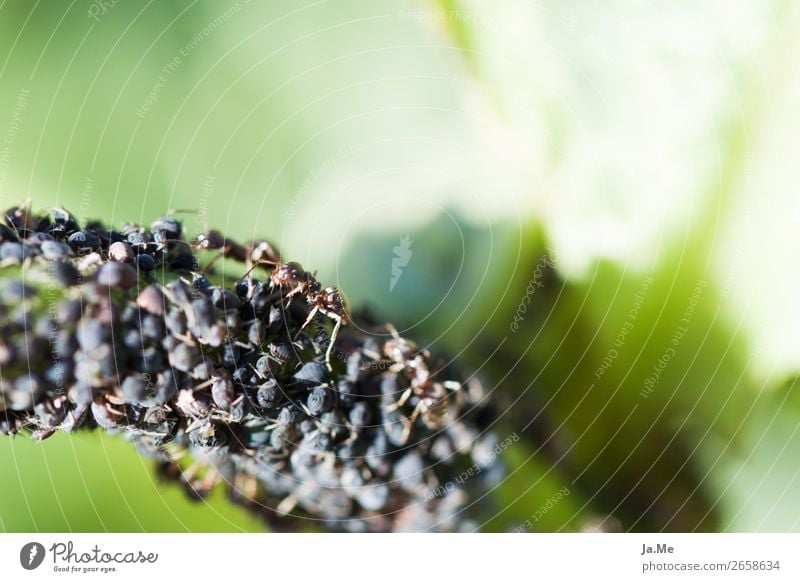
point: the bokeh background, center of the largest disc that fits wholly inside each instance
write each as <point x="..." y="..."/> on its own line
<point x="598" y="199"/>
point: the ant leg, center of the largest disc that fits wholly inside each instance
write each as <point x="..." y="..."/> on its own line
<point x="407" y="426"/>
<point x="452" y="385"/>
<point x="400" y="401"/>
<point x="249" y="274"/>
<point x="211" y="263"/>
<point x="290" y="502"/>
<point x="249" y="271"/>
<point x="295" y="291"/>
<point x="417" y="409"/>
<point x="311" y="315"/>
<point x="188" y="474"/>
<point x="334" y="333"/>
<point x="393" y="330"/>
<point x="409" y="423"/>
<point x="209" y="480"/>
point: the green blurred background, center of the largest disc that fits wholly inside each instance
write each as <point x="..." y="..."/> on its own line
<point x="644" y="150"/>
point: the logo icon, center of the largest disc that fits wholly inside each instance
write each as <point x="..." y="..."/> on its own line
<point x="402" y="256"/>
<point x="31" y="555"/>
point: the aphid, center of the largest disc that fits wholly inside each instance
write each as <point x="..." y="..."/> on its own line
<point x="310" y="374"/>
<point x="152" y="300"/>
<point x="222" y="391"/>
<point x="409" y="470"/>
<point x="62" y="223"/>
<point x="13" y="292"/>
<point x="52" y="249"/>
<point x="27" y="391"/>
<point x="269" y="395"/>
<point x="203" y="370"/>
<point x="319" y="400"/>
<point x="69" y="311"/>
<point x="318" y="440"/>
<point x="83" y="241"/>
<point x="166" y="387"/>
<point x="106" y="415"/>
<point x="65" y="273"/>
<point x="59" y="373"/>
<point x="165" y="229"/>
<point x="184" y="357"/>
<point x="36" y="239"/>
<point x="117" y="275"/>
<point x="333" y="423"/>
<point x="89" y="262"/>
<point x="289" y="415"/>
<point x="192" y="404"/>
<point x="14" y="252"/>
<point x="140" y="240"/>
<point x="224" y="299"/>
<point x="91" y="334"/>
<point x="135" y="388"/>
<point x="256" y="332"/>
<point x="105" y="235"/>
<point x="281" y="350"/>
<point x="19" y="217"/>
<point x="145" y="262"/>
<point x="148" y="361"/>
<point x="7" y="235"/>
<point x="360" y="414"/>
<point x="121" y="252"/>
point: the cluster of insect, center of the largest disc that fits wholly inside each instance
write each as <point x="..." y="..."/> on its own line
<point x="267" y="387"/>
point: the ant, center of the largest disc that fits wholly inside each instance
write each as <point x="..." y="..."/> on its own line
<point x="328" y="301"/>
<point x="253" y="254"/>
<point x="214" y="240"/>
<point x="432" y="403"/>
